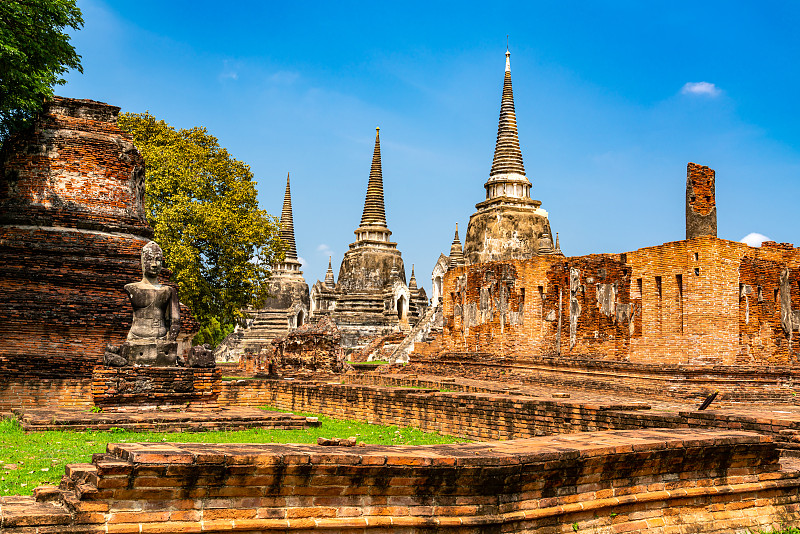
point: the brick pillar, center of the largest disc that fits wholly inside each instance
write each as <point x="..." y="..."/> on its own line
<point x="701" y="203"/>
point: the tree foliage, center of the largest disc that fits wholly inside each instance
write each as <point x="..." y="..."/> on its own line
<point x="202" y="206"/>
<point x="34" y="53"/>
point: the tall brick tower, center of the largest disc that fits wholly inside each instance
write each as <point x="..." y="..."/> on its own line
<point x="701" y="204"/>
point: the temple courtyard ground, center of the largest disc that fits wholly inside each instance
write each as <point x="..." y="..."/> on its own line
<point x="542" y="459"/>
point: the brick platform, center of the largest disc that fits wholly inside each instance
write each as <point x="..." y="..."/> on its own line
<point x="162" y="421"/>
<point x="518" y="411"/>
<point x="643" y="481"/>
<point x="132" y="387"/>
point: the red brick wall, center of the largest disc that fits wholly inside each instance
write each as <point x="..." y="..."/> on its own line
<point x="635" y="481"/>
<point x="676" y="303"/>
<point x="23" y="392"/>
<point x="72" y="226"/>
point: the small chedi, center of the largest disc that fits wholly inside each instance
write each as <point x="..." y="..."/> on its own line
<point x="156" y="318"/>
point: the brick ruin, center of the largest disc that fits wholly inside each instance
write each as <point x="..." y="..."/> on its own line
<point x="311" y="349"/>
<point x="703" y="301"/>
<point x="72" y="225"/>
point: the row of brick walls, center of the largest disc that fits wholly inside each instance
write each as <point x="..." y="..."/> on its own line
<point x="484" y="415"/>
<point x="388" y="399"/>
<point x="670" y="382"/>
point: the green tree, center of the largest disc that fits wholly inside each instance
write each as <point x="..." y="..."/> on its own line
<point x="34" y="53"/>
<point x="202" y="206"/>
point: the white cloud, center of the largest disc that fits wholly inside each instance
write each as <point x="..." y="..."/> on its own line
<point x="302" y="261"/>
<point x="754" y="239"/>
<point x="325" y="249"/>
<point x="700" y="88"/>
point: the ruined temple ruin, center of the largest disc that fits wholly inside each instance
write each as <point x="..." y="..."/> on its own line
<point x="286" y="309"/>
<point x="72" y="225"/>
<point x="702" y="301"/>
<point x="508" y="224"/>
<point x="371" y="297"/>
<point x="533" y="366"/>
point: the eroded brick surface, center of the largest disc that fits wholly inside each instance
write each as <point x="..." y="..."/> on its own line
<point x="701" y="202"/>
<point x="72" y="226"/>
<point x="622" y="481"/>
<point x="685" y="302"/>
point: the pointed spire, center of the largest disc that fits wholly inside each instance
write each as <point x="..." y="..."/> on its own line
<point x="412" y="284"/>
<point x="287" y="225"/>
<point x="456" y="252"/>
<point x="558" y="245"/>
<point x="507" y="154"/>
<point x="329" y="281"/>
<point x="374" y="212"/>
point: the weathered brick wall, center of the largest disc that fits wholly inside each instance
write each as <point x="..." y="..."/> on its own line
<point x="72" y="226"/>
<point x="481" y="415"/>
<point x="135" y="387"/>
<point x="762" y="336"/>
<point x="684" y="382"/>
<point x="701" y="202"/>
<point x="642" y="481"/>
<point x="21" y="392"/>
<point x="676" y="303"/>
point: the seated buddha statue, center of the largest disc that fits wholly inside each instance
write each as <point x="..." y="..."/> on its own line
<point x="156" y="315"/>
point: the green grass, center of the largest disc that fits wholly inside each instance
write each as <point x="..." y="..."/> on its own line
<point x="40" y="457"/>
<point x="374" y="362"/>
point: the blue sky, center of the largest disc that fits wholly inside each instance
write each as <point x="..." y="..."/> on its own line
<point x="613" y="99"/>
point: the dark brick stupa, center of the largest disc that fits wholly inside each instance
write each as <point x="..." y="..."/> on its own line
<point x="72" y="225"/>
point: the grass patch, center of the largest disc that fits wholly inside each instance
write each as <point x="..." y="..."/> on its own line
<point x="29" y="459"/>
<point x="369" y="364"/>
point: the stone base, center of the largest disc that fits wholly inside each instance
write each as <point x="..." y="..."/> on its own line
<point x="147" y="352"/>
<point x="161" y="387"/>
